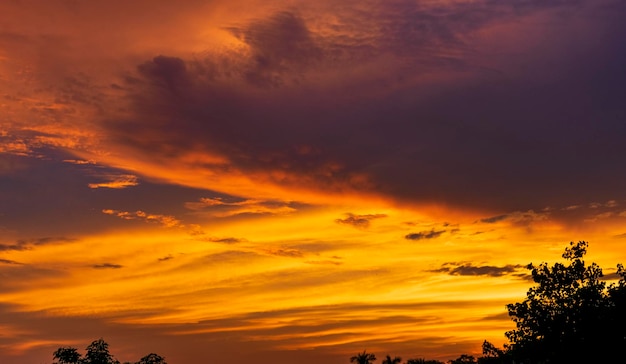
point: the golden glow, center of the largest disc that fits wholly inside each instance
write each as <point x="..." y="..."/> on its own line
<point x="303" y="269"/>
<point x="268" y="252"/>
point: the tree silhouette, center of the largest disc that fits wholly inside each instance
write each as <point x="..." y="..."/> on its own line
<point x="492" y="354"/>
<point x="389" y="360"/>
<point x="152" y="359"/>
<point x="569" y="315"/>
<point x="363" y="358"/>
<point x="423" y="361"/>
<point x="66" y="355"/>
<point x="463" y="359"/>
<point x="98" y="353"/>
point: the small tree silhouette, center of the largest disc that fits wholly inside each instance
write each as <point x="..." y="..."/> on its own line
<point x="463" y="359"/>
<point x="152" y="359"/>
<point x="389" y="360"/>
<point x="98" y="353"/>
<point x="363" y="358"/>
<point x="66" y="355"/>
<point x="423" y="361"/>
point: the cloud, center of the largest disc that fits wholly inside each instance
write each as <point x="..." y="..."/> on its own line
<point x="345" y="145"/>
<point x="280" y="46"/>
<point x="599" y="216"/>
<point x="8" y="261"/>
<point x="80" y="161"/>
<point x="425" y="235"/>
<point x="27" y="244"/>
<point x="468" y="269"/>
<point x="359" y="221"/>
<point x="107" y="266"/>
<point x="228" y="240"/>
<point x="116" y="182"/>
<point x="518" y="217"/>
<point x="494" y="219"/>
<point x="164" y="220"/>
<point x="285" y="252"/>
<point x="220" y="207"/>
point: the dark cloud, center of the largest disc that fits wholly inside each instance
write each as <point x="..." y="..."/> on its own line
<point x="501" y="137"/>
<point x="166" y="72"/>
<point x="285" y="252"/>
<point x="467" y="269"/>
<point x="107" y="266"/>
<point x="8" y="261"/>
<point x="425" y="235"/>
<point x="229" y="240"/>
<point x="494" y="219"/>
<point x="280" y="44"/>
<point x="7" y="247"/>
<point x="26" y="244"/>
<point x="359" y="221"/>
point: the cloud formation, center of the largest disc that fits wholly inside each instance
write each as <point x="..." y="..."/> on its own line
<point x="165" y="220"/>
<point x="469" y="269"/>
<point x="432" y="234"/>
<point x="107" y="266"/>
<point x="220" y="207"/>
<point x="359" y="221"/>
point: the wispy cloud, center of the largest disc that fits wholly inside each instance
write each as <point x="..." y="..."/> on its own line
<point x="432" y="234"/>
<point x="165" y="220"/>
<point x="9" y="261"/>
<point x="221" y="207"/>
<point x="116" y="181"/>
<point x="284" y="252"/>
<point x="468" y="269"/>
<point x="27" y="244"/>
<point x="107" y="266"/>
<point x="494" y="219"/>
<point x="225" y="240"/>
<point x="359" y="221"/>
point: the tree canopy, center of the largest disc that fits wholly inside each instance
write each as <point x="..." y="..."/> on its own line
<point x="98" y="353"/>
<point x="570" y="315"/>
<point x="363" y="358"/>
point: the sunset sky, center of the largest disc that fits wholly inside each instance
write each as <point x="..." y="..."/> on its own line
<point x="297" y="181"/>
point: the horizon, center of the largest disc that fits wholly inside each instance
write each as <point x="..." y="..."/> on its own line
<point x="290" y="181"/>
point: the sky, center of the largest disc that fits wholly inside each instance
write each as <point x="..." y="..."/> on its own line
<point x="298" y="181"/>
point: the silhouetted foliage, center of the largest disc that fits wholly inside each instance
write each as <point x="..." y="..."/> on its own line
<point x="423" y="361"/>
<point x="98" y="353"/>
<point x="66" y="355"/>
<point x="463" y="359"/>
<point x="152" y="359"/>
<point x="389" y="360"/>
<point x="492" y="354"/>
<point x="570" y="315"/>
<point x="363" y="358"/>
